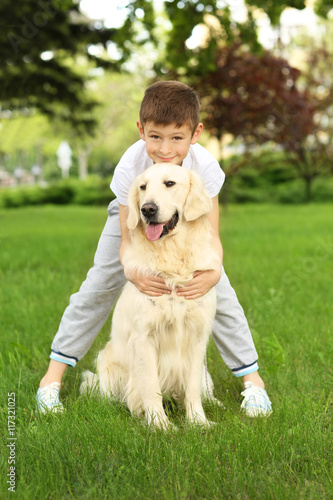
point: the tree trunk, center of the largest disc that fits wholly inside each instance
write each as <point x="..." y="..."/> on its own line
<point x="83" y="164"/>
<point x="308" y="190"/>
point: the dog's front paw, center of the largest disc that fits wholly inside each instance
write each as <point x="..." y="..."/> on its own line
<point x="202" y="421"/>
<point x="158" y="420"/>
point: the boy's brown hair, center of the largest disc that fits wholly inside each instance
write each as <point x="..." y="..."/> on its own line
<point x="169" y="102"/>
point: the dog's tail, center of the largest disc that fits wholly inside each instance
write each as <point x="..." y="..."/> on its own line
<point x="89" y="383"/>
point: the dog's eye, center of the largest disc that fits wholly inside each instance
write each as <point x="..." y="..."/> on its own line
<point x="143" y="187"/>
<point x="169" y="184"/>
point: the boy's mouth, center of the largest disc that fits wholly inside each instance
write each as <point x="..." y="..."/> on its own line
<point x="155" y="231"/>
<point x="162" y="159"/>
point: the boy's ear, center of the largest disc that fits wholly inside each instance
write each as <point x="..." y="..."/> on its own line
<point x="198" y="201"/>
<point x="133" y="207"/>
<point x="197" y="133"/>
<point x="141" y="131"/>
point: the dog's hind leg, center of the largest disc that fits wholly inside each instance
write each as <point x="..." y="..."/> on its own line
<point x="208" y="387"/>
<point x="112" y="375"/>
<point x="89" y="382"/>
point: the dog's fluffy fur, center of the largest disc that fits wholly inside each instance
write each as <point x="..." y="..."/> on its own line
<point x="158" y="344"/>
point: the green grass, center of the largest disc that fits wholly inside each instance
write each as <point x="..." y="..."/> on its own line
<point x="280" y="261"/>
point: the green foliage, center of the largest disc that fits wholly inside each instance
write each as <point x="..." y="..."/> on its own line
<point x="323" y="7"/>
<point x="27" y="140"/>
<point x="262" y="99"/>
<point x="270" y="177"/>
<point x="185" y="16"/>
<point x="41" y="46"/>
<point x="274" y="8"/>
<point x="91" y="191"/>
<point x="47" y="61"/>
<point x="180" y="60"/>
<point x="52" y="85"/>
<point x="135" y="31"/>
<point x="266" y="178"/>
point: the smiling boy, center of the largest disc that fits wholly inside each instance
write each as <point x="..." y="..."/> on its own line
<point x="169" y="129"/>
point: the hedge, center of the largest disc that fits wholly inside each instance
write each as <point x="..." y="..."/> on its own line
<point x="91" y="191"/>
<point x="243" y="188"/>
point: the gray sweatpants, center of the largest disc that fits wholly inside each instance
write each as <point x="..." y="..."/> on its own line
<point x="90" y="307"/>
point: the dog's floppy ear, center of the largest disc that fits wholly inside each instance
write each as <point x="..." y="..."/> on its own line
<point x="133" y="207"/>
<point x="198" y="201"/>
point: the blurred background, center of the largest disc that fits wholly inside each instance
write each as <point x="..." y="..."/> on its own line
<point x="73" y="73"/>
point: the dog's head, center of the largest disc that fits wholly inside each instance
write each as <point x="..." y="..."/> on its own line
<point x="162" y="196"/>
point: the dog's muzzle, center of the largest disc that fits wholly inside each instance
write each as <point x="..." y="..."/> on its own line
<point x="155" y="230"/>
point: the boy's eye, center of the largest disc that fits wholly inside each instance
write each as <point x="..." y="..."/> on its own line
<point x="178" y="138"/>
<point x="143" y="187"/>
<point x="169" y="184"/>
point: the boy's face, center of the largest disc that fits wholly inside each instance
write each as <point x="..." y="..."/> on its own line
<point x="169" y="143"/>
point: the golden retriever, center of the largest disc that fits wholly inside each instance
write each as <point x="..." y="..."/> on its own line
<point x="158" y="344"/>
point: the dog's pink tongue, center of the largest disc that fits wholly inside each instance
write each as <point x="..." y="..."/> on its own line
<point x="154" y="231"/>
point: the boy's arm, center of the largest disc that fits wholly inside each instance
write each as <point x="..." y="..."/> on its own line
<point x="151" y="285"/>
<point x="203" y="281"/>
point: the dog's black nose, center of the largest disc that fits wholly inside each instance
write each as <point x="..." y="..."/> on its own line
<point x="149" y="210"/>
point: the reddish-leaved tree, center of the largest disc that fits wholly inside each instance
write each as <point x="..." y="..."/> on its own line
<point x="255" y="98"/>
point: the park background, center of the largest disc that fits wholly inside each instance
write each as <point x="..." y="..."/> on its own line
<point x="73" y="74"/>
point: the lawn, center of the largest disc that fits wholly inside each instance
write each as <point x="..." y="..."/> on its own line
<point x="280" y="262"/>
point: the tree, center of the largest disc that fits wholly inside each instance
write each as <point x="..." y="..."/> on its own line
<point x="119" y="95"/>
<point x="40" y="46"/>
<point x="312" y="155"/>
<point x="255" y="98"/>
<point x="219" y="28"/>
<point x="261" y="99"/>
<point x="41" y="42"/>
<point x="274" y="8"/>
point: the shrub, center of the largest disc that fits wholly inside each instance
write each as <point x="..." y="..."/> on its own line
<point x="91" y="191"/>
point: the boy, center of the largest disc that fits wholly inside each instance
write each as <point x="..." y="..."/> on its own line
<point x="169" y="128"/>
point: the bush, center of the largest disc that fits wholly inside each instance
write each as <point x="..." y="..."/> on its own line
<point x="12" y="198"/>
<point x="91" y="191"/>
<point x="248" y="186"/>
<point x="60" y="193"/>
<point x="270" y="177"/>
<point x="323" y="190"/>
<point x="292" y="192"/>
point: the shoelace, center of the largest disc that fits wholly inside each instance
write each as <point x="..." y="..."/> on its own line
<point x="49" y="395"/>
<point x="256" y="398"/>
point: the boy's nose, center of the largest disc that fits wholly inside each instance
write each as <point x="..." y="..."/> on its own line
<point x="165" y="147"/>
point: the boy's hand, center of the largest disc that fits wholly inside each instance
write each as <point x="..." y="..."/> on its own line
<point x="200" y="284"/>
<point x="150" y="285"/>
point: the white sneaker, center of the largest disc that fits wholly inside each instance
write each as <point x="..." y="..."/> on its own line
<point x="256" y="402"/>
<point x="47" y="399"/>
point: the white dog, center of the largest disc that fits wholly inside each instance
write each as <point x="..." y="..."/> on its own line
<point x="158" y="344"/>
